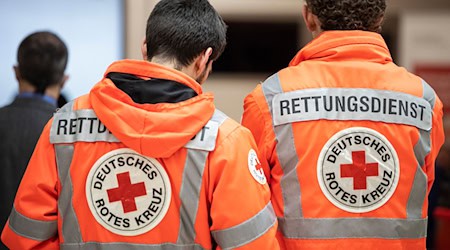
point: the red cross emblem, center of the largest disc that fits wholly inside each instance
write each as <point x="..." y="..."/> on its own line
<point x="126" y="192"/>
<point x="359" y="170"/>
<point x="258" y="165"/>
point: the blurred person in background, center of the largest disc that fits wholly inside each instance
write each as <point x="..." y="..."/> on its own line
<point x="145" y="161"/>
<point x="41" y="62"/>
<point x="351" y="138"/>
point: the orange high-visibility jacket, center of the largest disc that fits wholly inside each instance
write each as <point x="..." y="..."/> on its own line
<point x="144" y="161"/>
<point x="351" y="140"/>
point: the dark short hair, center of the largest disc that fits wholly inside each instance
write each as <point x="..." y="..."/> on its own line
<point x="180" y="30"/>
<point x="42" y="58"/>
<point x="349" y="14"/>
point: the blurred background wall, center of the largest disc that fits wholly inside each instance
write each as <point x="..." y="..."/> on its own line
<point x="263" y="36"/>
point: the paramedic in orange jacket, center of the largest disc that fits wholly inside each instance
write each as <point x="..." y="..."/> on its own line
<point x="145" y="161"/>
<point x="350" y="138"/>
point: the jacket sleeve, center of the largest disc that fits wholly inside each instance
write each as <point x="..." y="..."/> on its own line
<point x="254" y="119"/>
<point x="437" y="140"/>
<point x="241" y="212"/>
<point x="32" y="223"/>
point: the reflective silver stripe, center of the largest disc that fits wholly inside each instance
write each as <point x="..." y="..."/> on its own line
<point x="70" y="226"/>
<point x="129" y="246"/>
<point x="68" y="107"/>
<point x="206" y="138"/>
<point x="428" y="94"/>
<point x="219" y="117"/>
<point x="247" y="231"/>
<point x="192" y="181"/>
<point x="351" y="104"/>
<point x="32" y="229"/>
<point x="190" y="193"/>
<point x="78" y="125"/>
<point x="290" y="185"/>
<point x="422" y="148"/>
<point x="417" y="195"/>
<point x="302" y="228"/>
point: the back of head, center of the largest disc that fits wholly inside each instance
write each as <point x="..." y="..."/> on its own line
<point x="42" y="58"/>
<point x="349" y="14"/>
<point x="179" y="30"/>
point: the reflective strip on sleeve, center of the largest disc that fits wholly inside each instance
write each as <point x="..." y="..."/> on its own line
<point x="351" y="104"/>
<point x="428" y="94"/>
<point x="30" y="228"/>
<point x="70" y="226"/>
<point x="192" y="181"/>
<point x="302" y="228"/>
<point x="190" y="193"/>
<point x="129" y="246"/>
<point x="417" y="195"/>
<point x="68" y="107"/>
<point x="206" y="138"/>
<point x="247" y="231"/>
<point x="422" y="148"/>
<point x="78" y="125"/>
<point x="290" y="185"/>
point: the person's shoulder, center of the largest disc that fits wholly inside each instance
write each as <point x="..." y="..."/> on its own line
<point x="32" y="108"/>
<point x="81" y="102"/>
<point x="4" y="108"/>
<point x="230" y="128"/>
<point x="5" y="112"/>
<point x="10" y="106"/>
<point x="258" y="91"/>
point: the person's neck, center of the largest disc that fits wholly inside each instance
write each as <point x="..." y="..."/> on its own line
<point x="316" y="33"/>
<point x="173" y="65"/>
<point x="52" y="91"/>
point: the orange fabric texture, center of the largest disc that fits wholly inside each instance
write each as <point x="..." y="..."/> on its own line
<point x="158" y="131"/>
<point x="342" y="59"/>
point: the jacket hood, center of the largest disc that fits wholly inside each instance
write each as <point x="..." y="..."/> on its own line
<point x="153" y="129"/>
<point x="339" y="45"/>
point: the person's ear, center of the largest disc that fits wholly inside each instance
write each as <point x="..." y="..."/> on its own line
<point x="64" y="80"/>
<point x="310" y="19"/>
<point x="201" y="63"/>
<point x="17" y="73"/>
<point x="144" y="49"/>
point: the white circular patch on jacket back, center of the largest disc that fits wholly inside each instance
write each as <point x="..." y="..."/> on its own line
<point x="128" y="194"/>
<point x="358" y="170"/>
<point x="255" y="168"/>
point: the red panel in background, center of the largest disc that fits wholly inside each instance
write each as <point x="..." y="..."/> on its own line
<point x="438" y="76"/>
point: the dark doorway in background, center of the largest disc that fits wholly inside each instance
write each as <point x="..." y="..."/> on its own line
<point x="258" y="47"/>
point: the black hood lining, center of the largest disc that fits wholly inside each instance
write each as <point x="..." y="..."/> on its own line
<point x="151" y="91"/>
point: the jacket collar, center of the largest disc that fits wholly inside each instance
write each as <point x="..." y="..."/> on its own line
<point x="345" y="45"/>
<point x="148" y="70"/>
<point x="155" y="130"/>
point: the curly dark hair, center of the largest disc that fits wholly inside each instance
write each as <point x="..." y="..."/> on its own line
<point x="349" y="14"/>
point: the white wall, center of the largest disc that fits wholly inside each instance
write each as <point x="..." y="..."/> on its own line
<point x="424" y="38"/>
<point x="92" y="30"/>
<point x="230" y="90"/>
